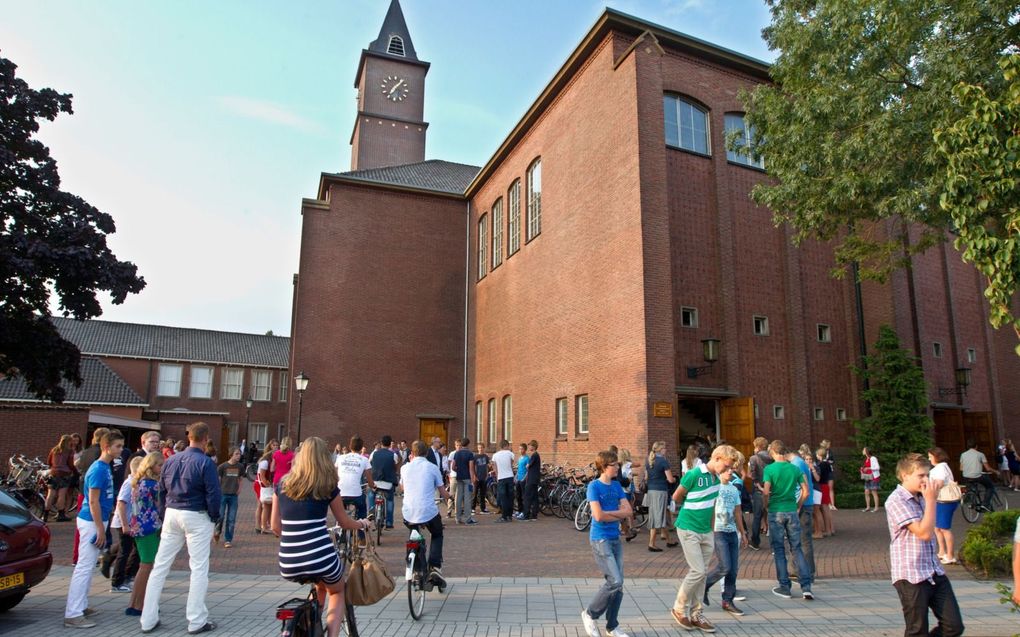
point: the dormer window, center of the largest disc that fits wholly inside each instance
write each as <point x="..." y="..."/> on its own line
<point x="396" y="46"/>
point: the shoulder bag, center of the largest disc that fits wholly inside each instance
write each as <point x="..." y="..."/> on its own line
<point x="368" y="581"/>
<point x="950" y="492"/>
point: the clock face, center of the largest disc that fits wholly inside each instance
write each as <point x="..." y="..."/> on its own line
<point x="395" y="88"/>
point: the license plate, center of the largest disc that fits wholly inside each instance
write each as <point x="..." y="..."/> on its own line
<point x="10" y="581"/>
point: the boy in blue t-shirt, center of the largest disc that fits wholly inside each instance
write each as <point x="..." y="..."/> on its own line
<point x="729" y="537"/>
<point x="96" y="508"/>
<point x="609" y="506"/>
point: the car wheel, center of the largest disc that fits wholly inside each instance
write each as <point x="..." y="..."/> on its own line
<point x="9" y="602"/>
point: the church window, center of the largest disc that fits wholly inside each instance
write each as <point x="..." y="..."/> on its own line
<point x="396" y="46"/>
<point x="508" y="417"/>
<point x="497" y="233"/>
<point x="513" y="213"/>
<point x="479" y="425"/>
<point x="737" y="126"/>
<point x="686" y="124"/>
<point x="493" y="424"/>
<point x="535" y="199"/>
<point x="483" y="242"/>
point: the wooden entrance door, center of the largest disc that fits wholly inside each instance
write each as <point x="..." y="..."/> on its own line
<point x="977" y="425"/>
<point x="736" y="423"/>
<point x="429" y="429"/>
<point x="949" y="435"/>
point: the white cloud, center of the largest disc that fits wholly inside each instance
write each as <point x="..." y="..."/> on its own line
<point x="266" y="111"/>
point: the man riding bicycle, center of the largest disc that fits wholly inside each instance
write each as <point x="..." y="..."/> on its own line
<point x="973" y="465"/>
<point x="419" y="480"/>
<point x="351" y="469"/>
<point x="384" y="473"/>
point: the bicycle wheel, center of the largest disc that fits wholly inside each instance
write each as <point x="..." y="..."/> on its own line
<point x="350" y="625"/>
<point x="416" y="588"/>
<point x="582" y="519"/>
<point x="640" y="517"/>
<point x="251" y="472"/>
<point x="969" y="508"/>
<point x="380" y="518"/>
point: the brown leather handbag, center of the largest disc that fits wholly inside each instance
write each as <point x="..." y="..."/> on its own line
<point x="368" y="580"/>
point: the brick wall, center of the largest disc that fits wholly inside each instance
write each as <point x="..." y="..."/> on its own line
<point x="33" y="431"/>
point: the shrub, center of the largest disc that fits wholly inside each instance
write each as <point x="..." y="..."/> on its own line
<point x="988" y="546"/>
<point x="855" y="499"/>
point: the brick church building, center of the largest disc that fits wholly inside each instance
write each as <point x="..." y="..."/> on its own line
<point x="604" y="278"/>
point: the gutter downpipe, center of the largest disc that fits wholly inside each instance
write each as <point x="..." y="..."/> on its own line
<point x="467" y="288"/>
<point x="861" y="332"/>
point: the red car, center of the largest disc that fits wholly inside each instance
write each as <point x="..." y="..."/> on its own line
<point x="25" y="558"/>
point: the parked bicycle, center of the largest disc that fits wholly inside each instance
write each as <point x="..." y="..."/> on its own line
<point x="27" y="481"/>
<point x="972" y="504"/>
<point x="304" y="617"/>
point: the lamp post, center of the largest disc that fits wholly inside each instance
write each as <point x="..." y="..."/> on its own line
<point x="247" y="414"/>
<point x="300" y="384"/>
<point x="710" y="352"/>
<point x="961" y="376"/>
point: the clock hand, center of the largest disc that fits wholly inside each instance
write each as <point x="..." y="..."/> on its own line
<point x="396" y="86"/>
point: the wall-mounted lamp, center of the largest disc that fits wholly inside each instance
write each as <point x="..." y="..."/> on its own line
<point x="962" y="378"/>
<point x="710" y="351"/>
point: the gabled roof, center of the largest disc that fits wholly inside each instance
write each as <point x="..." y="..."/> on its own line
<point x="433" y="175"/>
<point x="394" y="25"/>
<point x="100" y="386"/>
<point x="134" y="340"/>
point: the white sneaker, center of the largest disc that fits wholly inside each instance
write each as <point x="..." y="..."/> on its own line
<point x="589" y="624"/>
<point x="617" y="632"/>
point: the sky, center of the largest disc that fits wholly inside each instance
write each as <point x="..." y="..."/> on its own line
<point x="199" y="125"/>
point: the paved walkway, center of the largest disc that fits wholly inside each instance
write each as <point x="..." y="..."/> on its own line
<point x="518" y="607"/>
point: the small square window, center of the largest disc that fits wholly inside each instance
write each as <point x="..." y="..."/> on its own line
<point x="971" y="355"/>
<point x="761" y="325"/>
<point x="936" y="350"/>
<point x="824" y="333"/>
<point x="840" y="413"/>
<point x="688" y="317"/>
<point x="778" y="412"/>
<point x="819" y="413"/>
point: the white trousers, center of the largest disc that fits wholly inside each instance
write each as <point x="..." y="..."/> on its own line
<point x="81" y="578"/>
<point x="195" y="528"/>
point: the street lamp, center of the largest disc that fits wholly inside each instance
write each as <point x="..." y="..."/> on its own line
<point x="300" y="384"/>
<point x="247" y="414"/>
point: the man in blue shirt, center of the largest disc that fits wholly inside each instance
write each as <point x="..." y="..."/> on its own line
<point x="807" y="524"/>
<point x="609" y="505"/>
<point x="96" y="509"/>
<point x="384" y="473"/>
<point x="192" y="489"/>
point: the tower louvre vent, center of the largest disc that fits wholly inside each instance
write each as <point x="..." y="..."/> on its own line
<point x="396" y="46"/>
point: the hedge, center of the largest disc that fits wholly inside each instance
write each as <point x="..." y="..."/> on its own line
<point x="988" y="547"/>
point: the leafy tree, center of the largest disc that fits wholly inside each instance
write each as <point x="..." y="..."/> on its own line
<point x="898" y="397"/>
<point x="51" y="243"/>
<point x="848" y="129"/>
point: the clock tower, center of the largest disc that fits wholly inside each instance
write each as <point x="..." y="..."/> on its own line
<point x="390" y="129"/>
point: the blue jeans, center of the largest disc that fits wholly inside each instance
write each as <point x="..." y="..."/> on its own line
<point x="505" y="497"/>
<point x="609" y="558"/>
<point x="388" y="495"/>
<point x="727" y="548"/>
<point x="360" y="509"/>
<point x="228" y="516"/>
<point x="785" y="527"/>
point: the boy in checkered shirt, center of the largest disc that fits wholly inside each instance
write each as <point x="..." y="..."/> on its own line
<point x="917" y="574"/>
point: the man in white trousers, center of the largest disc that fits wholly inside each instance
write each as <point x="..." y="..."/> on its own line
<point x="192" y="490"/>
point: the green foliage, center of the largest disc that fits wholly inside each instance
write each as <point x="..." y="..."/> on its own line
<point x="854" y="499"/>
<point x="982" y="153"/>
<point x="861" y="90"/>
<point x="52" y="243"/>
<point x="988" y="546"/>
<point x="898" y="398"/>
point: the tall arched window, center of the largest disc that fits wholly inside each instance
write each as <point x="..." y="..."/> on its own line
<point x="497" y="233"/>
<point x="479" y="421"/>
<point x="396" y="46"/>
<point x="737" y="127"/>
<point x="535" y="199"/>
<point x="508" y="417"/>
<point x="483" y="242"/>
<point x="493" y="423"/>
<point x="686" y="124"/>
<point x="513" y="214"/>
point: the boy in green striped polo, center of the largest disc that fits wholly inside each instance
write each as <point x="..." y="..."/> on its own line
<point x="695" y="498"/>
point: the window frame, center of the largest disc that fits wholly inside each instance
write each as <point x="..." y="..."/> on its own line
<point x="746" y="134"/>
<point x="400" y="41"/>
<point x="693" y="312"/>
<point x="696" y="106"/>
<point x="840" y="414"/>
<point x="257" y="388"/>
<point x="258" y="426"/>
<point x="508" y="417"/>
<point x="493" y="421"/>
<point x="161" y="380"/>
<point x="562" y="417"/>
<point x="778" y="412"/>
<point x="971" y="354"/>
<point x="284" y="385"/>
<point x="479" y="424"/>
<point x="496" y="258"/>
<point x="764" y="321"/>
<point x="483" y="245"/>
<point x="818" y="413"/>
<point x="823" y="332"/>
<point x="582" y="417"/>
<point x="533" y="216"/>
<point x="513" y="218"/>
<point x="936" y="349"/>
<point x="227" y="372"/>
<point x="191" y="381"/>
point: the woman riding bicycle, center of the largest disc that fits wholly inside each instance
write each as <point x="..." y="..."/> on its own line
<point x="300" y="504"/>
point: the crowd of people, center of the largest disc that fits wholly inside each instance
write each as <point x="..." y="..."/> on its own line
<point x="138" y="509"/>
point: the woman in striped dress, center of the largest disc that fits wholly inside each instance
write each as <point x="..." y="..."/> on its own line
<point x="300" y="506"/>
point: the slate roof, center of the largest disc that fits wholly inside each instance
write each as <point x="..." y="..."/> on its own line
<point x="432" y="174"/>
<point x="394" y="24"/>
<point x="100" y="384"/>
<point x="134" y="340"/>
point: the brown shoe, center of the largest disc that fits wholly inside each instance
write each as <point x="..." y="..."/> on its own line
<point x="684" y="622"/>
<point x="699" y="621"/>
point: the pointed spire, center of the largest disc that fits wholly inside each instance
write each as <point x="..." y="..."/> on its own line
<point x="394" y="39"/>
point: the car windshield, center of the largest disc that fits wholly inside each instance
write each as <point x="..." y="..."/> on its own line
<point x="12" y="512"/>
